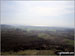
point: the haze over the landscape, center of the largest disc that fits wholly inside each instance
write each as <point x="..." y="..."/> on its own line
<point x="38" y="13"/>
<point x="37" y="28"/>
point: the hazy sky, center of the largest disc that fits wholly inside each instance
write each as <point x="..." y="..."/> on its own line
<point x="38" y="13"/>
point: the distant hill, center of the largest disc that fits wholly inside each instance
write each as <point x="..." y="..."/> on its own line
<point x="41" y="28"/>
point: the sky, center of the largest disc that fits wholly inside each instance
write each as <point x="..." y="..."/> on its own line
<point x="38" y="13"/>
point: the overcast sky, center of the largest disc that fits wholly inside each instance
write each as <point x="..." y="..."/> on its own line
<point x="38" y="13"/>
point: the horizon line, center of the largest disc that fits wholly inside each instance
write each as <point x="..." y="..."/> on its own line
<point x="36" y="25"/>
